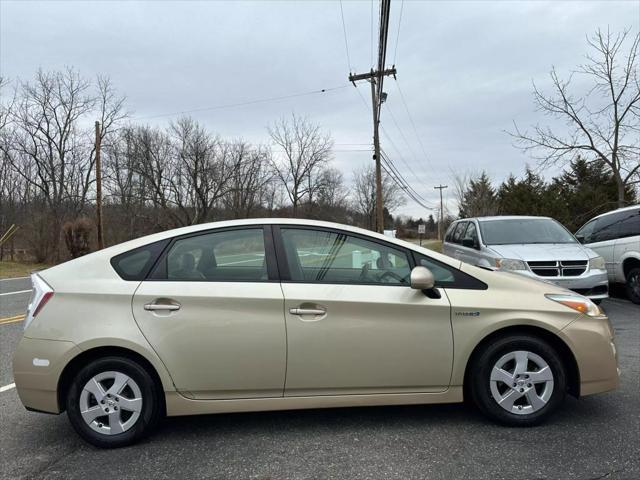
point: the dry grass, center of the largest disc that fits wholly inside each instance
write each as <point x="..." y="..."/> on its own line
<point x="435" y="245"/>
<point x="18" y="269"/>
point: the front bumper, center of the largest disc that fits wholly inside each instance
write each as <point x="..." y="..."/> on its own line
<point x="593" y="344"/>
<point x="37" y="366"/>
<point x="593" y="284"/>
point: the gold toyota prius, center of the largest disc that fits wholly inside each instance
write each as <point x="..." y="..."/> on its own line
<point x="281" y="314"/>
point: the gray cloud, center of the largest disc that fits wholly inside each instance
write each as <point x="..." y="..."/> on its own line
<point x="465" y="67"/>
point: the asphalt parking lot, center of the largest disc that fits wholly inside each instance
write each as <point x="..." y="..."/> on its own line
<point x="593" y="438"/>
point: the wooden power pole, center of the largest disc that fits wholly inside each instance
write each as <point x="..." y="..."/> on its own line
<point x="440" y="223"/>
<point x="376" y="77"/>
<point x="99" y="188"/>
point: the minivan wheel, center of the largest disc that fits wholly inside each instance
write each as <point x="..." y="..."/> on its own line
<point x="518" y="380"/>
<point x="113" y="402"/>
<point x="633" y="285"/>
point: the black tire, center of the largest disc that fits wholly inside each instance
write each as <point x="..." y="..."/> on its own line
<point x="633" y="285"/>
<point x="480" y="374"/>
<point x="150" y="413"/>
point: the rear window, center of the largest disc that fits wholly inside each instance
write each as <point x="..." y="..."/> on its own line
<point x="135" y="264"/>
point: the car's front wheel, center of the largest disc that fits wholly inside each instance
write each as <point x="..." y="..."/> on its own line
<point x="113" y="402"/>
<point x="633" y="285"/>
<point x="518" y="380"/>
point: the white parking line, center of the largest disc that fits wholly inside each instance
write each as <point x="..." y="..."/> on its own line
<point x="7" y="387"/>
<point x="14" y="278"/>
<point x="15" y="293"/>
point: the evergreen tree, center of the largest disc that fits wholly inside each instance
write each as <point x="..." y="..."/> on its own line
<point x="479" y="198"/>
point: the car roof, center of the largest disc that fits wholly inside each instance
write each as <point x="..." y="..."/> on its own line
<point x="623" y="209"/>
<point x="503" y="217"/>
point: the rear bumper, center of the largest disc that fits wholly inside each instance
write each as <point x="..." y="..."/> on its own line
<point x="37" y="366"/>
<point x="594" y="284"/>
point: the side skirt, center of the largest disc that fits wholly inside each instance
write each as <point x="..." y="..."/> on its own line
<point x="179" y="405"/>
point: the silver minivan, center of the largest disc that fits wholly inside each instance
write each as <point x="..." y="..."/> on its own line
<point x="616" y="237"/>
<point x="537" y="247"/>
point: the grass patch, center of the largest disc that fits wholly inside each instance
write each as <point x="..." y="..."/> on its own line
<point x="435" y="245"/>
<point x="19" y="269"/>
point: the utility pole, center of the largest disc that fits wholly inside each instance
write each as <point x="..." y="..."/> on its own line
<point x="440" y="187"/>
<point x="99" y="188"/>
<point x="376" y="78"/>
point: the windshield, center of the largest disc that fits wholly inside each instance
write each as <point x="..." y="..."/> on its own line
<point x="524" y="230"/>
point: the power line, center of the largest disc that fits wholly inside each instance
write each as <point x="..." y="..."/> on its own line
<point x="404" y="180"/>
<point x="346" y="43"/>
<point x="366" y="105"/>
<point x="397" y="178"/>
<point x="376" y="79"/>
<point x="413" y="124"/>
<point x="242" y="104"/>
<point x="371" y="33"/>
<point x="393" y="118"/>
<point x="395" y="52"/>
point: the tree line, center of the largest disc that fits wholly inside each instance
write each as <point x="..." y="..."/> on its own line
<point x="584" y="190"/>
<point x="156" y="178"/>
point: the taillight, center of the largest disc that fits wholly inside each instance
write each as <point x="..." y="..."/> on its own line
<point x="42" y="293"/>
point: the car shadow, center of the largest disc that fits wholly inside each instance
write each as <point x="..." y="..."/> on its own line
<point x="590" y="410"/>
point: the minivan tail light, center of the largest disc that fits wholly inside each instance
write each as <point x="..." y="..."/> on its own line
<point x="42" y="293"/>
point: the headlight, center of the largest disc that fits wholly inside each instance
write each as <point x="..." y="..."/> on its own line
<point x="578" y="303"/>
<point x="596" y="263"/>
<point x="510" y="264"/>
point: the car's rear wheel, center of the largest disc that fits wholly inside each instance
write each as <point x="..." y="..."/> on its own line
<point x="113" y="402"/>
<point x="518" y="380"/>
<point x="633" y="285"/>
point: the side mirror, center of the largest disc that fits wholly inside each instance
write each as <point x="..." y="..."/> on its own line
<point x="580" y="238"/>
<point x="422" y="278"/>
<point x="470" y="243"/>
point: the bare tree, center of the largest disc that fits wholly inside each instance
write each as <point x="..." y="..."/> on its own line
<point x="332" y="192"/>
<point x="364" y="194"/>
<point x="49" y="141"/>
<point x="605" y="122"/>
<point x="250" y="174"/>
<point x="306" y="150"/>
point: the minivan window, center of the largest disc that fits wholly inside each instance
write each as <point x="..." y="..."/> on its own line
<point x="236" y="255"/>
<point x="327" y="256"/>
<point x="607" y="227"/>
<point x="586" y="231"/>
<point x="630" y="225"/>
<point x="449" y="234"/>
<point x="524" y="231"/>
<point x="457" y="233"/>
<point x="471" y="233"/>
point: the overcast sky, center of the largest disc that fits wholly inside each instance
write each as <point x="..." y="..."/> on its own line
<point x="465" y="68"/>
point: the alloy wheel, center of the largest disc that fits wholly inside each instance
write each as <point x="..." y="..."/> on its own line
<point x="521" y="382"/>
<point x="110" y="403"/>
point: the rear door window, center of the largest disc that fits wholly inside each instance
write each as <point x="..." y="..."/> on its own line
<point x="236" y="255"/>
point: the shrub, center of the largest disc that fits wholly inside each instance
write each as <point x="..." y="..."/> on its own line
<point x="77" y="236"/>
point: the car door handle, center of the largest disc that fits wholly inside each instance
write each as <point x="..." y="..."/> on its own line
<point x="307" y="311"/>
<point x="162" y="306"/>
